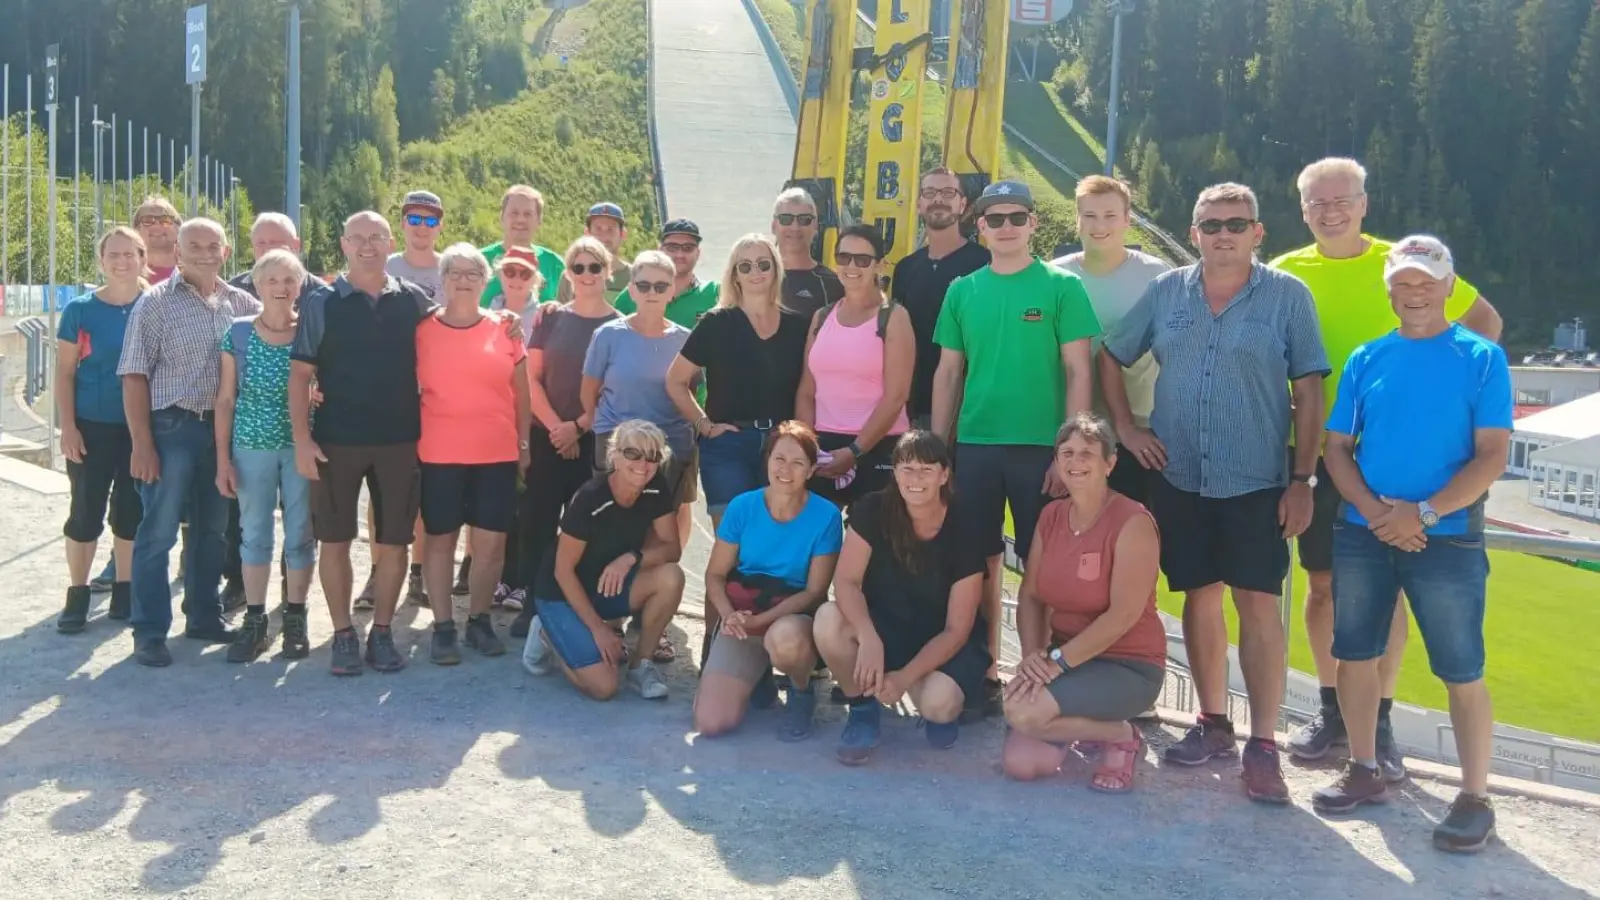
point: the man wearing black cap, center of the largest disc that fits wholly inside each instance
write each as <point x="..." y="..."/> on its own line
<point x="691" y="297"/>
<point x="421" y="219"/>
<point x="607" y="225"/>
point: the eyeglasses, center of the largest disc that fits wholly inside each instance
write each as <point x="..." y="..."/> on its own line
<point x="360" y="240"/>
<point x="463" y="275"/>
<point x="430" y="221"/>
<point x="940" y="193"/>
<point x="744" y="266"/>
<point x="1235" y="225"/>
<point x="1341" y="204"/>
<point x="859" y="260"/>
<point x="515" y="273"/>
<point x="591" y="268"/>
<point x="801" y="219"/>
<point x="154" y="220"/>
<point x="634" y="454"/>
<point x="676" y="247"/>
<point x="652" y="287"/>
<point x="999" y="220"/>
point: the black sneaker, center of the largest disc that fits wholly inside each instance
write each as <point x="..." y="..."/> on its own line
<point x="152" y="652"/>
<point x="1391" y="762"/>
<point x="296" y="642"/>
<point x="367" y="599"/>
<point x="212" y="634"/>
<point x="254" y="637"/>
<point x="346" y="652"/>
<point x="1468" y="826"/>
<point x="232" y="597"/>
<point x="416" y="594"/>
<point x="75" y="614"/>
<point x="797" y="714"/>
<point x="519" y="625"/>
<point x="461" y="588"/>
<point x="765" y="694"/>
<point x="381" y="653"/>
<point x="481" y="636"/>
<point x="121" y="607"/>
<point x="444" y="650"/>
<point x="1315" y="738"/>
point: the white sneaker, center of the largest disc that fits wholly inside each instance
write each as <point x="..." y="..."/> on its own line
<point x="647" y="681"/>
<point x="535" y="652"/>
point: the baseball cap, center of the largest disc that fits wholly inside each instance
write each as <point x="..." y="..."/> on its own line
<point x="681" y="226"/>
<point x="520" y="256"/>
<point x="1003" y="192"/>
<point x="1422" y="252"/>
<point x="609" y="210"/>
<point x="422" y="200"/>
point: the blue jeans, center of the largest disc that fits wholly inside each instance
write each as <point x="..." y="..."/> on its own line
<point x="566" y="631"/>
<point x="264" y="476"/>
<point x="1445" y="583"/>
<point x="186" y="446"/>
<point x="730" y="465"/>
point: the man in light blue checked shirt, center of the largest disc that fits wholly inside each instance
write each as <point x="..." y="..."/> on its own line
<point x="1234" y="340"/>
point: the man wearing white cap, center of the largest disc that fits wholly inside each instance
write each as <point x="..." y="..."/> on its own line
<point x="1418" y="433"/>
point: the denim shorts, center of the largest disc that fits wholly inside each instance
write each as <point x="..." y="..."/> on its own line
<point x="730" y="464"/>
<point x="565" y="630"/>
<point x="1445" y="583"/>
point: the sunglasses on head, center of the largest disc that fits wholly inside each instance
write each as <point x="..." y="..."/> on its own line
<point x="591" y="268"/>
<point x="652" y="287"/>
<point x="1235" y="225"/>
<point x="796" y="218"/>
<point x="515" y="273"/>
<point x="859" y="260"/>
<point x="997" y="220"/>
<point x="417" y="219"/>
<point x="746" y="265"/>
<point x="634" y="454"/>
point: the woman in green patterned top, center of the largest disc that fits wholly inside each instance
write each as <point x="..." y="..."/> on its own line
<point x="255" y="457"/>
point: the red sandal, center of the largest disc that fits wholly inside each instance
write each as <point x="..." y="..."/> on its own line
<point x="1121" y="776"/>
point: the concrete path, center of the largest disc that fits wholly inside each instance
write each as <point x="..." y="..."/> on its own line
<point x="726" y="132"/>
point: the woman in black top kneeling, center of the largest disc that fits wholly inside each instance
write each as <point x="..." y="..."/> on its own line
<point x="905" y="620"/>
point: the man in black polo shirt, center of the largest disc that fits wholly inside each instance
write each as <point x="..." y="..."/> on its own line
<point x="807" y="284"/>
<point x="357" y="339"/>
<point x="921" y="279"/>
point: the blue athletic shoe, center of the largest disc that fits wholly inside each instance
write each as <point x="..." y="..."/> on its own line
<point x="796" y="725"/>
<point x="942" y="735"/>
<point x="861" y="733"/>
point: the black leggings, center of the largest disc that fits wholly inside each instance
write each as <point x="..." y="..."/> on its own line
<point x="551" y="482"/>
<point x="103" y="477"/>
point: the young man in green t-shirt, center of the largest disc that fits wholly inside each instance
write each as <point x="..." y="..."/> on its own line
<point x="521" y="215"/>
<point x="1014" y="340"/>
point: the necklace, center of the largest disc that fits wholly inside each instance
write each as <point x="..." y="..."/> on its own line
<point x="265" y="326"/>
<point x="1076" y="531"/>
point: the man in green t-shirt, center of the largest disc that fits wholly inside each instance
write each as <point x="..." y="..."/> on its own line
<point x="521" y="214"/>
<point x="1014" y="340"/>
<point x="1344" y="270"/>
<point x="691" y="297"/>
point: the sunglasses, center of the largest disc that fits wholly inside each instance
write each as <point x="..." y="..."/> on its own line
<point x="998" y="220"/>
<point x="1236" y="225"/>
<point x="652" y="287"/>
<point x="591" y="268"/>
<point x="634" y="454"/>
<point x="430" y="221"/>
<point x="796" y="218"/>
<point x="940" y="193"/>
<point x="676" y="247"/>
<point x="515" y="273"/>
<point x="744" y="266"/>
<point x="859" y="260"/>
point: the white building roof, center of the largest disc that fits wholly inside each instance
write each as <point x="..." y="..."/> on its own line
<point x="1570" y="421"/>
<point x="1584" y="454"/>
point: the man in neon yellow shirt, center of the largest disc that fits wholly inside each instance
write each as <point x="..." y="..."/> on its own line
<point x="1344" y="269"/>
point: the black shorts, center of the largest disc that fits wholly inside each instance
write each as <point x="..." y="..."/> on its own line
<point x="873" y="470"/>
<point x="483" y="496"/>
<point x="1315" y="544"/>
<point x="390" y="473"/>
<point x="1234" y="540"/>
<point x="103" y="477"/>
<point x="967" y="668"/>
<point x="1129" y="478"/>
<point x="990" y="476"/>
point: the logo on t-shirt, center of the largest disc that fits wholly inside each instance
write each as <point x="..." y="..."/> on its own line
<point x="1033" y="314"/>
<point x="803" y="292"/>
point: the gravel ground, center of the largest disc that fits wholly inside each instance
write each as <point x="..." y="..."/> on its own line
<point x="277" y="780"/>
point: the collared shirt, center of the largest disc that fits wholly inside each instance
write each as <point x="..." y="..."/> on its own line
<point x="174" y="339"/>
<point x="1222" y="396"/>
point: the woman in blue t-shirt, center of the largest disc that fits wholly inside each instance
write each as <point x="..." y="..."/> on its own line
<point x="769" y="571"/>
<point x="94" y="431"/>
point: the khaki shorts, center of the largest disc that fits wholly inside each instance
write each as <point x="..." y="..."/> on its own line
<point x="743" y="658"/>
<point x="394" y="487"/>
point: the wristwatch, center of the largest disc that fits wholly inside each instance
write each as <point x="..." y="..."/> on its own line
<point x="1060" y="660"/>
<point x="1307" y="480"/>
<point x="855" y="449"/>
<point x="522" y="445"/>
<point x="1428" y="515"/>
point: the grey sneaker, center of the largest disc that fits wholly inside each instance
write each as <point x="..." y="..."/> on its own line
<point x="1391" y="762"/>
<point x="253" y="639"/>
<point x="346" y="652"/>
<point x="1468" y="826"/>
<point x="381" y="653"/>
<point x="366" y="599"/>
<point x="416" y="594"/>
<point x="444" y="651"/>
<point x="1315" y="738"/>
<point x="481" y="636"/>
<point x="646" y="680"/>
<point x="1201" y="743"/>
<point x="535" y="652"/>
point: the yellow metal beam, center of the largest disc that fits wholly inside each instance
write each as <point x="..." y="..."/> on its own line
<point x="825" y="110"/>
<point x="894" y="122"/>
<point x="979" y="30"/>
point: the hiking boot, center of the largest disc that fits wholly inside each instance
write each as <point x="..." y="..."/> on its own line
<point x="481" y="636"/>
<point x="941" y="735"/>
<point x="535" y="652"/>
<point x="253" y="640"/>
<point x="1262" y="773"/>
<point x="646" y="680"/>
<point x="1467" y="827"/>
<point x="152" y="652"/>
<point x="1391" y="762"/>
<point x="367" y="599"/>
<point x="1356" y="786"/>
<point x="444" y="651"/>
<point x="121" y="607"/>
<point x="1202" y="743"/>
<point x="106" y="578"/>
<point x="1315" y="738"/>
<point x="346" y="652"/>
<point x="75" y="614"/>
<point x="211" y="634"/>
<point x="462" y="588"/>
<point x="381" y="653"/>
<point x="296" y="642"/>
<point x="862" y="731"/>
<point x="233" y="598"/>
<point x="416" y="594"/>
<point x="520" y="626"/>
<point x="796" y="725"/>
<point x="765" y="694"/>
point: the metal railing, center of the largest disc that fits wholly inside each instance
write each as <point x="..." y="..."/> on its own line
<point x="650" y="112"/>
<point x="36" y="363"/>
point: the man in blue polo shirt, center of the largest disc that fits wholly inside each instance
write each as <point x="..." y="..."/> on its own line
<point x="1418" y="433"/>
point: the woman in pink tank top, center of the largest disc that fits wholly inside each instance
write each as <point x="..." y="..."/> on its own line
<point x="858" y="366"/>
<point x="1093" y="648"/>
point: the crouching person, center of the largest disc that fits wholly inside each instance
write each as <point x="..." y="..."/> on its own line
<point x="1093" y="649"/>
<point x="617" y="555"/>
<point x="769" y="571"/>
<point x="905" y="618"/>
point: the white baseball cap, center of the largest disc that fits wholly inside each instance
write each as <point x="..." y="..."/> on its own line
<point x="1423" y="252"/>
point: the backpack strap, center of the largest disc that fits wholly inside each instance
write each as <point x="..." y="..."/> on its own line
<point x="884" y="312"/>
<point x="821" y="317"/>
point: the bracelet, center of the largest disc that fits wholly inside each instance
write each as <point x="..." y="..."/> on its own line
<point x="700" y="421"/>
<point x="855" y="450"/>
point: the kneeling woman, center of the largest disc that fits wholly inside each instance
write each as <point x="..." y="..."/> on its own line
<point x="617" y="555"/>
<point x="1093" y="649"/>
<point x="905" y="621"/>
<point x="774" y="557"/>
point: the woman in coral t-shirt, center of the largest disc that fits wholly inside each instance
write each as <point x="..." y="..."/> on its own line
<point x="1093" y="648"/>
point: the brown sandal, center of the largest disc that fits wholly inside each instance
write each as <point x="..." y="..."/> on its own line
<point x="1120" y="777"/>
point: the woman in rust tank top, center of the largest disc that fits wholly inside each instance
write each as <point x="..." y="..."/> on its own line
<point x="1093" y="649"/>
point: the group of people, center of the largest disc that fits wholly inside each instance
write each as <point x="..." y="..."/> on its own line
<point x="857" y="454"/>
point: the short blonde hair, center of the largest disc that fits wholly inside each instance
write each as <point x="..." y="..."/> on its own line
<point x="652" y="259"/>
<point x="1331" y="167"/>
<point x="1101" y="184"/>
<point x="590" y="245"/>
<point x="1093" y="428"/>
<point x="277" y="259"/>
<point x="1227" y="192"/>
<point x="637" y="434"/>
<point x="522" y="190"/>
<point x="731" y="292"/>
<point x="464" y="255"/>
